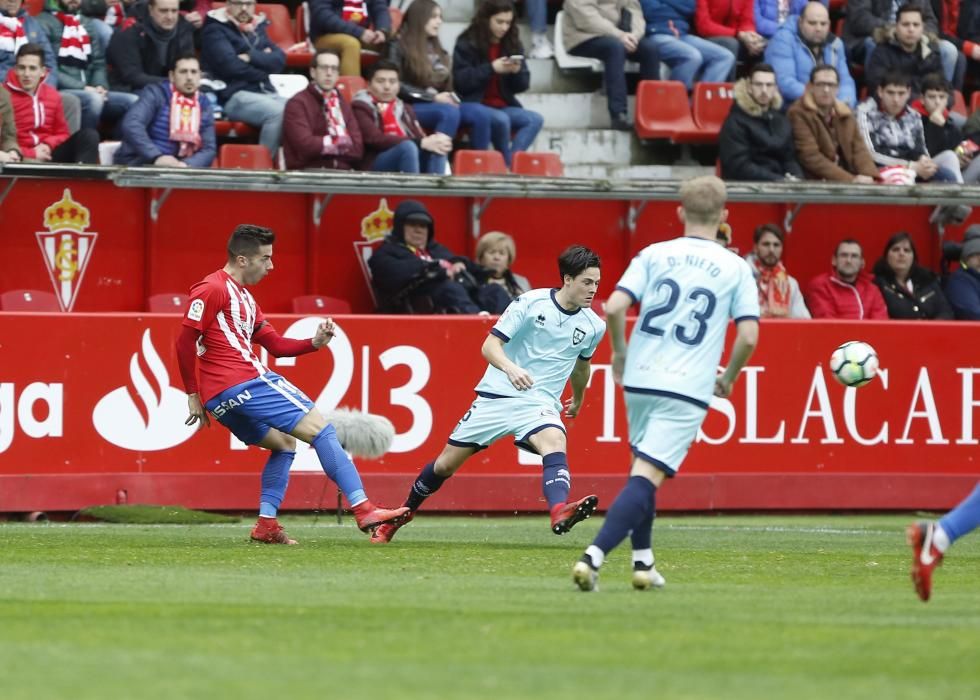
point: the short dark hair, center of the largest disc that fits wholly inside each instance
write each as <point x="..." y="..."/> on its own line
<point x="909" y="7"/>
<point x="383" y="64"/>
<point x="762" y="230"/>
<point x="183" y="57"/>
<point x="247" y="238"/>
<point x="321" y="52"/>
<point x="31" y="50"/>
<point x="897" y="78"/>
<point x="849" y="241"/>
<point x="575" y="259"/>
<point x="823" y="67"/>
<point x="761" y="68"/>
<point x="937" y="82"/>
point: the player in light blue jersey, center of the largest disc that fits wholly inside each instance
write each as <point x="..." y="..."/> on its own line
<point x="543" y="339"/>
<point x="687" y="288"/>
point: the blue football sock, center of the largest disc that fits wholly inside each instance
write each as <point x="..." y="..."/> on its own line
<point x="337" y="465"/>
<point x="275" y="477"/>
<point x="642" y="535"/>
<point x="964" y="518"/>
<point x="426" y="484"/>
<point x="631" y="507"/>
<point x="556" y="481"/>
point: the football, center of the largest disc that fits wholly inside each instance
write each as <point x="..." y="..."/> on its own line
<point x="855" y="363"/>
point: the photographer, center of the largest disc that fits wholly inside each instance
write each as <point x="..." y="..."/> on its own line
<point x="411" y="272"/>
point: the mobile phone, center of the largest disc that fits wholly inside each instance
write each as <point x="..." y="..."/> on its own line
<point x="515" y="59"/>
<point x="455" y="98"/>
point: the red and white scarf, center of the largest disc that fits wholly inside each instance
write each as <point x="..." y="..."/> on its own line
<point x="389" y="117"/>
<point x="774" y="289"/>
<point x="356" y="11"/>
<point x="12" y="35"/>
<point x="76" y="45"/>
<point x="336" y="138"/>
<point x="185" y="122"/>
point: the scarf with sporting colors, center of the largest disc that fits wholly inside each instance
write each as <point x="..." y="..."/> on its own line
<point x="389" y="117"/>
<point x="336" y="140"/>
<point x="355" y="11"/>
<point x="12" y="35"/>
<point x="76" y="45"/>
<point x="185" y="122"/>
<point x="774" y="290"/>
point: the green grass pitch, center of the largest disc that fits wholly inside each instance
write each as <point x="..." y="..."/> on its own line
<point x="755" y="607"/>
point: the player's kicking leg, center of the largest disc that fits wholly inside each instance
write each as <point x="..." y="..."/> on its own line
<point x="556" y="481"/>
<point x="275" y="478"/>
<point x="430" y="479"/>
<point x="645" y="574"/>
<point x="930" y="541"/>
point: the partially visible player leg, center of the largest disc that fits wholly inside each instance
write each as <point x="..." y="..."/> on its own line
<point x="430" y="479"/>
<point x="931" y="540"/>
<point x="275" y="478"/>
<point x="556" y="481"/>
<point x="645" y="575"/>
<point x="314" y="429"/>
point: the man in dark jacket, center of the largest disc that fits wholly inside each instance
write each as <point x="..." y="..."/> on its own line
<point x="941" y="133"/>
<point x="151" y="137"/>
<point x="236" y="50"/>
<point x="756" y="141"/>
<point x="963" y="287"/>
<point x="909" y="52"/>
<point x="319" y="127"/>
<point x="411" y="270"/>
<point x="144" y="53"/>
<point x="344" y="25"/>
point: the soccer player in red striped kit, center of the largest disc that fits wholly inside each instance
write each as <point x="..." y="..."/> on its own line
<point x="260" y="407"/>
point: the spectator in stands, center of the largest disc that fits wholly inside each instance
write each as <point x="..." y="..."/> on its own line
<point x="236" y="50"/>
<point x="963" y="286"/>
<point x="910" y="290"/>
<point x="948" y="15"/>
<point x="489" y="68"/>
<point x="346" y="25"/>
<point x="872" y="22"/>
<point x="941" y="132"/>
<point x="81" y="65"/>
<point x="896" y="139"/>
<point x="612" y="31"/>
<point x="172" y="123"/>
<point x="689" y="57"/>
<point x="394" y="141"/>
<point x="9" y="150"/>
<point x="967" y="30"/>
<point x="909" y="51"/>
<point x="427" y="77"/>
<point x="800" y="46"/>
<point x="319" y="127"/>
<point x="495" y="252"/>
<point x="848" y="292"/>
<point x="756" y="140"/>
<point x="144" y="53"/>
<point x="730" y="23"/>
<point x="39" y="118"/>
<point x="829" y="145"/>
<point x="411" y="265"/>
<point x="770" y="15"/>
<point x="779" y="293"/>
<point x="537" y="17"/>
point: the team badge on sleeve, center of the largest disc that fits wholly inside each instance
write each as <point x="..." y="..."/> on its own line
<point x="196" y="310"/>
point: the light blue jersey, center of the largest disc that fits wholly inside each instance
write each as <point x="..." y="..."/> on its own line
<point x="687" y="289"/>
<point x="546" y="340"/>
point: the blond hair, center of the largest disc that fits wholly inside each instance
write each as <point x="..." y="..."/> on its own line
<point x="703" y="199"/>
<point x="496" y="239"/>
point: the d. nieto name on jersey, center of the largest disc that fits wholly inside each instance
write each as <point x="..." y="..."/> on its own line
<point x="695" y="261"/>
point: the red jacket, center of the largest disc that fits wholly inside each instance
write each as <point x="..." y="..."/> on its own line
<point x="723" y="17"/>
<point x="829" y="297"/>
<point x="40" y="118"/>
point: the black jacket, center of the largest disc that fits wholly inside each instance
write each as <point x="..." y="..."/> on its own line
<point x="756" y="145"/>
<point x="472" y="72"/>
<point x="132" y="57"/>
<point x="938" y="138"/>
<point x="221" y="44"/>
<point x="864" y="16"/>
<point x="917" y="64"/>
<point x="927" y="301"/>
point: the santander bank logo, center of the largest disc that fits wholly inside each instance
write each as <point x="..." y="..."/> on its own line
<point x="147" y="414"/>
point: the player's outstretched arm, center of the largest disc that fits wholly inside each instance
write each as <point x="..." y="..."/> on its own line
<point x="269" y="338"/>
<point x="616" y="306"/>
<point x="746" y="338"/>
<point x="579" y="380"/>
<point x="187" y="363"/>
<point x="493" y="352"/>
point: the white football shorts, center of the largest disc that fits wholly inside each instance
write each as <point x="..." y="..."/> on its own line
<point x="662" y="428"/>
<point x="488" y="420"/>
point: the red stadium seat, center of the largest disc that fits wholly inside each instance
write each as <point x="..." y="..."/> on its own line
<point x="34" y="7"/>
<point x="546" y="164"/>
<point x="234" y="130"/>
<point x="280" y="29"/>
<point x="316" y="304"/>
<point x="975" y="102"/>
<point x="662" y="110"/>
<point x="29" y="300"/>
<point x="712" y="102"/>
<point x="479" y="163"/>
<point x="244" y="156"/>
<point x="396" y="16"/>
<point x="169" y="302"/>
<point x="959" y="103"/>
<point x="350" y="85"/>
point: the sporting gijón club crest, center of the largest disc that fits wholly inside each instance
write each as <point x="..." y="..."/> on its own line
<point x="66" y="247"/>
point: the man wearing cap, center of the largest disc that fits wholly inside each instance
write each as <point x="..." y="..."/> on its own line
<point x="963" y="287"/>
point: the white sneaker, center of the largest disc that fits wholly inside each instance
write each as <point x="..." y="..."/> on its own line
<point x="541" y="47"/>
<point x="645" y="579"/>
<point x="585" y="577"/>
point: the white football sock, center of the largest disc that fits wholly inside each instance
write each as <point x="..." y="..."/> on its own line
<point x="596" y="555"/>
<point x="940" y="539"/>
<point x="643" y="556"/>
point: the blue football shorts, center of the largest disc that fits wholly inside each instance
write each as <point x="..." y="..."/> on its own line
<point x="488" y="420"/>
<point x="251" y="408"/>
<point x="662" y="428"/>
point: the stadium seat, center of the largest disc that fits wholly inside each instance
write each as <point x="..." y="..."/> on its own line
<point x="975" y="102"/>
<point x="29" y="300"/>
<point x="662" y="110"/>
<point x="396" y="16"/>
<point x="350" y="85"/>
<point x="288" y="84"/>
<point x="316" y="304"/>
<point x="168" y="302"/>
<point x="34" y="7"/>
<point x="244" y="156"/>
<point x="546" y="164"/>
<point x="234" y="130"/>
<point x="959" y="103"/>
<point x="712" y="102"/>
<point x="567" y="61"/>
<point x="280" y="29"/>
<point x="479" y="163"/>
